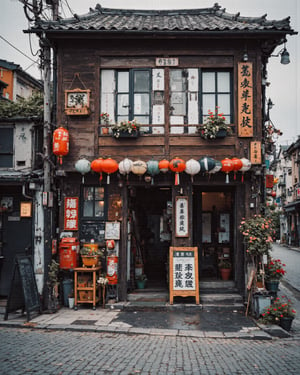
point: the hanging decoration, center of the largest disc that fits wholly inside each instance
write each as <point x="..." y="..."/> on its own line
<point x="163" y="165"/>
<point x="109" y="166"/>
<point x="60" y="143"/>
<point x="246" y="166"/>
<point x="227" y="166"/>
<point x="192" y="167"/>
<point x="152" y="169"/>
<point x="83" y="166"/>
<point x="96" y="166"/>
<point x="207" y="164"/>
<point x="237" y="165"/>
<point x="177" y="165"/>
<point x="125" y="167"/>
<point x="216" y="168"/>
<point x="139" y="167"/>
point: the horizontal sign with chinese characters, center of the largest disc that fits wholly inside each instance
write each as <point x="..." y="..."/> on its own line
<point x="166" y="61"/>
<point x="71" y="213"/>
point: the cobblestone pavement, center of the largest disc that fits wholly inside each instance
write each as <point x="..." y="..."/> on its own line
<point x="26" y="351"/>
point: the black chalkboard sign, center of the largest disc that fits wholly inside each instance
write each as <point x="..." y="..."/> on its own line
<point x="23" y="291"/>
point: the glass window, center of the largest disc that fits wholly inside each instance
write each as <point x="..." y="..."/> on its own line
<point x="93" y="202"/>
<point x="216" y="92"/>
<point x="6" y="147"/>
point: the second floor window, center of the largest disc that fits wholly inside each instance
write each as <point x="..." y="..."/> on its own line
<point x="140" y="94"/>
<point x="6" y="147"/>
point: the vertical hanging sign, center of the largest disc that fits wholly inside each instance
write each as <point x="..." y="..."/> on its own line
<point x="245" y="99"/>
<point x="184" y="273"/>
<point x="181" y="217"/>
<point x="71" y="213"/>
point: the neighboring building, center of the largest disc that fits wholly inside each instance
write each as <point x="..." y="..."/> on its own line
<point x="166" y="69"/>
<point x="21" y="175"/>
<point x="19" y="83"/>
<point x="292" y="206"/>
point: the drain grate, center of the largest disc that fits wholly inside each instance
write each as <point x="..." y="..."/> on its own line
<point x="85" y="322"/>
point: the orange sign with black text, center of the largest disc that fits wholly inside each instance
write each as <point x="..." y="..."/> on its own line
<point x="245" y="99"/>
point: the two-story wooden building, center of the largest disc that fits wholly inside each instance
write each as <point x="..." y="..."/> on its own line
<point x="166" y="69"/>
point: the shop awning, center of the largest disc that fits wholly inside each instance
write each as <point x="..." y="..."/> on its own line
<point x="294" y="206"/>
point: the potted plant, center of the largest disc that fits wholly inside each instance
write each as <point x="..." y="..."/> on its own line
<point x="215" y="126"/>
<point x="274" y="271"/>
<point x="126" y="129"/>
<point x="279" y="312"/>
<point x="225" y="269"/>
<point x="105" y="120"/>
<point x="91" y="255"/>
<point x="141" y="281"/>
<point x="257" y="232"/>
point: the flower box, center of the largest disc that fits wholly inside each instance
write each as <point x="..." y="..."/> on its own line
<point x="125" y="134"/>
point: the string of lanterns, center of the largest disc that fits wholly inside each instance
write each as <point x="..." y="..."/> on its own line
<point x="153" y="167"/>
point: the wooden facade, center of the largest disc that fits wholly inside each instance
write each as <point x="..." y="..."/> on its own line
<point x="83" y="51"/>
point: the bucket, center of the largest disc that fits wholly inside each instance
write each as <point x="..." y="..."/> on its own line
<point x="68" y="286"/>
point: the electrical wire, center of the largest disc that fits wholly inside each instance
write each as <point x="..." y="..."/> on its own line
<point x="71" y="11"/>
<point x="5" y="40"/>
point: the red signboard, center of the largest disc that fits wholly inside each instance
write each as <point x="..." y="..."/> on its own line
<point x="269" y="181"/>
<point x="71" y="213"/>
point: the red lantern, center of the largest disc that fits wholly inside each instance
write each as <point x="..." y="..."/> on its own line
<point x="163" y="165"/>
<point x="273" y="194"/>
<point x="177" y="165"/>
<point x="96" y="166"/>
<point x="227" y="166"/>
<point x="110" y="244"/>
<point x="237" y="165"/>
<point x="109" y="166"/>
<point x="60" y="143"/>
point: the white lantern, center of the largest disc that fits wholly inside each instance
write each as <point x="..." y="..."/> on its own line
<point x="83" y="166"/>
<point x="246" y="166"/>
<point x="192" y="167"/>
<point x="139" y="167"/>
<point x="125" y="167"/>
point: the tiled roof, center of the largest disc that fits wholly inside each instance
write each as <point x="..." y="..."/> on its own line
<point x="212" y="19"/>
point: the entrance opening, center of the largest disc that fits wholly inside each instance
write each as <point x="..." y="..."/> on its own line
<point x="213" y="211"/>
<point x="152" y="215"/>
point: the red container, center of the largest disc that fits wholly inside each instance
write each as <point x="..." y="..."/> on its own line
<point x="112" y="270"/>
<point x="68" y="253"/>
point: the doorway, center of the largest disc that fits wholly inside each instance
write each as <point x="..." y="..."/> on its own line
<point x="213" y="232"/>
<point x="152" y="207"/>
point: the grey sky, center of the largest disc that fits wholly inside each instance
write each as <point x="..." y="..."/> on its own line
<point x="284" y="89"/>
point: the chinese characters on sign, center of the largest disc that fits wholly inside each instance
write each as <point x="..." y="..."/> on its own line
<point x="71" y="213"/>
<point x="255" y="152"/>
<point x="182" y="217"/>
<point x="166" y="61"/>
<point x="245" y="99"/>
<point x="183" y="270"/>
<point x="183" y="273"/>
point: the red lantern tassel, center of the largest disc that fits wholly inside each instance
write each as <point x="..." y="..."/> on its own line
<point x="176" y="178"/>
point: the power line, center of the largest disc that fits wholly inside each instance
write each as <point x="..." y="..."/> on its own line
<point x="5" y="40"/>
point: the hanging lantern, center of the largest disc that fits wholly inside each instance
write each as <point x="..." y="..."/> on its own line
<point x="237" y="165"/>
<point x="273" y="194"/>
<point x="163" y="165"/>
<point x="246" y="166"/>
<point x="96" y="166"/>
<point x="125" y="167"/>
<point x="227" y="166"/>
<point x="207" y="164"/>
<point x="60" y="143"/>
<point x="83" y="166"/>
<point x="152" y="169"/>
<point x="216" y="168"/>
<point x="139" y="167"/>
<point x="192" y="167"/>
<point x="177" y="165"/>
<point x="110" y="244"/>
<point x="109" y="166"/>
